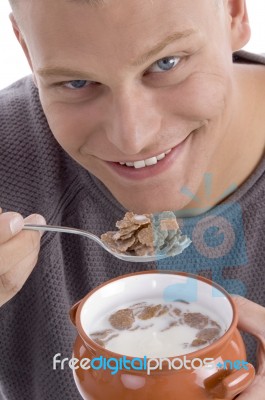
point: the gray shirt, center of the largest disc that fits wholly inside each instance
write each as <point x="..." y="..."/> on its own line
<point x="37" y="176"/>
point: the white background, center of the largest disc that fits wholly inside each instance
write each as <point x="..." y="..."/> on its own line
<point x="13" y="64"/>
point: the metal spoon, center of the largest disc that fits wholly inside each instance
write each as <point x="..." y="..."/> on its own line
<point x="75" y="231"/>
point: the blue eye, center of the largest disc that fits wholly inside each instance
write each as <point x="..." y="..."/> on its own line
<point x="77" y="84"/>
<point x="164" y="64"/>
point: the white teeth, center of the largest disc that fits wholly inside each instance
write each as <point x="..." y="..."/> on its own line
<point x="139" y="164"/>
<point x="150" y="161"/>
<point x="147" y="162"/>
<point x="161" y="156"/>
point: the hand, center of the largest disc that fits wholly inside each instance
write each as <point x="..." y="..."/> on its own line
<point x="19" y="252"/>
<point x="252" y="320"/>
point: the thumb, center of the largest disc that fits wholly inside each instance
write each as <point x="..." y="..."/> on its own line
<point x="35" y="219"/>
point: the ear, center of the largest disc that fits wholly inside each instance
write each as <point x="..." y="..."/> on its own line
<point x="22" y="42"/>
<point x="240" y="29"/>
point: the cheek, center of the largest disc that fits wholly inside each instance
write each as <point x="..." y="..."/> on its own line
<point x="71" y="124"/>
<point x="202" y="96"/>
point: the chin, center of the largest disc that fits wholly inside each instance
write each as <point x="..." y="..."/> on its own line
<point x="154" y="205"/>
<point x="156" y="195"/>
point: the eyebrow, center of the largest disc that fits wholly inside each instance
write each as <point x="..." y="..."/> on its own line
<point x="68" y="72"/>
<point x="173" y="37"/>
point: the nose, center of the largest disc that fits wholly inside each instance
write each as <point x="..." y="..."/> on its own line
<point x="134" y="122"/>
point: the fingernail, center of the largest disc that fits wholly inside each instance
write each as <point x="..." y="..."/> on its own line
<point x="16" y="224"/>
<point x="39" y="219"/>
<point x="35" y="219"/>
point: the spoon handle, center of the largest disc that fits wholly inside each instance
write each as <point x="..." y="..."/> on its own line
<point x="63" y="229"/>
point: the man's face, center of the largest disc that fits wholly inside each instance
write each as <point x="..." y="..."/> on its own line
<point x="128" y="81"/>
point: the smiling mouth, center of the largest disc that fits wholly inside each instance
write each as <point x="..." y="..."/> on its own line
<point x="138" y="170"/>
<point x="145" y="163"/>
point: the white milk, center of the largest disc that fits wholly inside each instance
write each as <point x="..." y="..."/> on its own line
<point x="157" y="336"/>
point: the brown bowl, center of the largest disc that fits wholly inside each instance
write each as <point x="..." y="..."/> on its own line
<point x="182" y="383"/>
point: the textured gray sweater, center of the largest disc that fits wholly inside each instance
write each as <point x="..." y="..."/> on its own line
<point x="38" y="176"/>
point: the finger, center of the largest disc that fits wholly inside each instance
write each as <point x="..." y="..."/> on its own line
<point x="35" y="219"/>
<point x="256" y="391"/>
<point x="251" y="317"/>
<point x="10" y="224"/>
<point x="20" y="246"/>
<point x="261" y="359"/>
<point x="13" y="281"/>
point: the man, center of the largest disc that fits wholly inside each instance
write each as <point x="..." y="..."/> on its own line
<point x="133" y="104"/>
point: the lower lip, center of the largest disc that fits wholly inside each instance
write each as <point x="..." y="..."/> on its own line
<point x="148" y="172"/>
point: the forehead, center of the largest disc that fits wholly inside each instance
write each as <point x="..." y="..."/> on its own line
<point x="89" y="30"/>
<point x="102" y="5"/>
